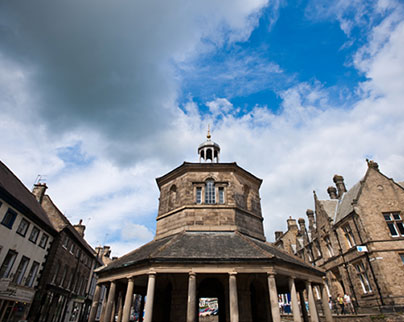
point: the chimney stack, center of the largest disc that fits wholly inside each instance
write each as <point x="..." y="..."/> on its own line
<point x="278" y="234"/>
<point x="332" y="192"/>
<point x="310" y="216"/>
<point x="339" y="182"/>
<point x="302" y="226"/>
<point x="39" y="191"/>
<point x="80" y="228"/>
<point x="292" y="223"/>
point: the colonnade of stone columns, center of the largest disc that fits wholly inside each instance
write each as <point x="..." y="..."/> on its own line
<point x="124" y="313"/>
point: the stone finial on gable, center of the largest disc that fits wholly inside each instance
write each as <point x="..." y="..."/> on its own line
<point x="372" y="164"/>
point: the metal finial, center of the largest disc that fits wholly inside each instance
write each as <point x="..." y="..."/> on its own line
<point x="208" y="135"/>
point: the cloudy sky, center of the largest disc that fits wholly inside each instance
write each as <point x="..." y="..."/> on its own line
<point x="100" y="97"/>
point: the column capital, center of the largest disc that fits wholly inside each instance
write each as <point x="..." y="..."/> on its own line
<point x="271" y="274"/>
<point x="232" y="273"/>
<point x="292" y="277"/>
<point x="192" y="273"/>
<point x="151" y="273"/>
<point x="131" y="278"/>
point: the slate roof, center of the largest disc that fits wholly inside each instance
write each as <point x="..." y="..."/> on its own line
<point x="208" y="247"/>
<point x="329" y="207"/>
<point x="14" y="188"/>
<point x="345" y="206"/>
<point x="68" y="226"/>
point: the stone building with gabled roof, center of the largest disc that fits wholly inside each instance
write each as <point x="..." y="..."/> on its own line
<point x="65" y="292"/>
<point x="25" y="236"/>
<point x="357" y="237"/>
<point x="209" y="243"/>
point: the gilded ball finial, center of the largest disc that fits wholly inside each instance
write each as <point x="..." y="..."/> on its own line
<point x="208" y="135"/>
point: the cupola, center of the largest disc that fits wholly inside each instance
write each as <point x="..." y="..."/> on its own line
<point x="209" y="150"/>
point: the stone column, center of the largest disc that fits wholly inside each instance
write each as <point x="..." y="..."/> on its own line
<point x="312" y="303"/>
<point x="94" y="305"/>
<point x="128" y="301"/>
<point x="303" y="306"/>
<point x="273" y="298"/>
<point x="233" y="297"/>
<point x="295" y="304"/>
<point x="104" y="304"/>
<point x="191" y="308"/>
<point x="150" y="297"/>
<point x="324" y="302"/>
<point x="110" y="302"/>
<point x="120" y="308"/>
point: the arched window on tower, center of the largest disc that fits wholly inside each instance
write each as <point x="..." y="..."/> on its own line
<point x="173" y="196"/>
<point x="210" y="197"/>
<point x="247" y="197"/>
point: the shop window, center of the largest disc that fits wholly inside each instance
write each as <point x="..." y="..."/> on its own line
<point x="349" y="236"/>
<point x="9" y="218"/>
<point x="19" y="274"/>
<point x="8" y="264"/>
<point x="394" y="223"/>
<point x="363" y="277"/>
<point x="23" y="227"/>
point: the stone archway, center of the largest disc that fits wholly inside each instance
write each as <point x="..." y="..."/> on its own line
<point x="259" y="302"/>
<point x="211" y="287"/>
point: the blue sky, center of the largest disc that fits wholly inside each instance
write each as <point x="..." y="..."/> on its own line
<point x="101" y="98"/>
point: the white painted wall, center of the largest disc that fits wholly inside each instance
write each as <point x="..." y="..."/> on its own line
<point x="10" y="239"/>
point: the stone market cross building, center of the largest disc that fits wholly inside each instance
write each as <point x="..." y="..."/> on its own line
<point x="209" y="242"/>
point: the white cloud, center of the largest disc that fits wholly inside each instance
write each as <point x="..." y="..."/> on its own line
<point x="219" y="106"/>
<point x="136" y="232"/>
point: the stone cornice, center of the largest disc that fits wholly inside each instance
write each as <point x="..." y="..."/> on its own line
<point x="206" y="167"/>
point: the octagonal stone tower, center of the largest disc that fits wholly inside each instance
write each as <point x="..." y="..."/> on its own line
<point x="209" y="242"/>
<point x="209" y="197"/>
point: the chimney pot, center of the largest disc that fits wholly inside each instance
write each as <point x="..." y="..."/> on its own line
<point x="339" y="182"/>
<point x="332" y="192"/>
